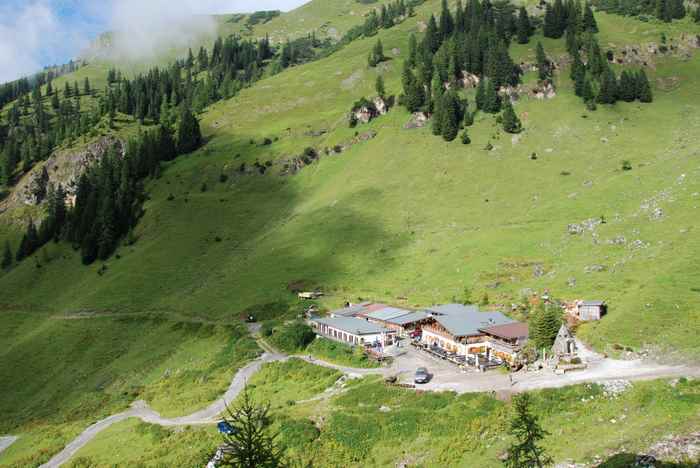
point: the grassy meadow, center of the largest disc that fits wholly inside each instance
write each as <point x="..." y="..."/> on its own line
<point x="403" y="217"/>
<point x="423" y="429"/>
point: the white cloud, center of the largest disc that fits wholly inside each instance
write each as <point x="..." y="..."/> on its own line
<point x="32" y="35"/>
<point x="144" y="29"/>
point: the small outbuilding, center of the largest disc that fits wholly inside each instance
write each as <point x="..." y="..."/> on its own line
<point x="564" y="344"/>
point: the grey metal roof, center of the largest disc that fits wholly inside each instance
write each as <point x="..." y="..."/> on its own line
<point x="352" y="325"/>
<point x="409" y="318"/>
<point x="387" y="313"/>
<point x="453" y="309"/>
<point x="593" y="303"/>
<point x="461" y="320"/>
<point x="350" y="311"/>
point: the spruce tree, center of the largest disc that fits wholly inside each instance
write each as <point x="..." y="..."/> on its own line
<point x="589" y="22"/>
<point x="446" y="22"/>
<point x="643" y="87"/>
<point x="492" y="102"/>
<point x="7" y="257"/>
<point x="431" y="40"/>
<point x="524" y="28"/>
<point x="86" y="86"/>
<point x="608" y="88"/>
<point x="412" y="50"/>
<point x="189" y="135"/>
<point x="627" y="86"/>
<point x="525" y="429"/>
<point x="450" y="115"/>
<point x="543" y="67"/>
<point x="249" y="443"/>
<point x="511" y="122"/>
<point x="696" y="15"/>
<point x="480" y="97"/>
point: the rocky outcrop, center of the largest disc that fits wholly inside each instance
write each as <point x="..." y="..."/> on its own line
<point x="63" y="168"/>
<point x="418" y="120"/>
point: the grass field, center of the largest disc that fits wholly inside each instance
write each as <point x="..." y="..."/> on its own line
<point x="403" y="218"/>
<point x="428" y="429"/>
<point x="60" y="374"/>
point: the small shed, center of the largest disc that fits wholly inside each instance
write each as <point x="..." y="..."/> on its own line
<point x="564" y="344"/>
<point x="591" y="310"/>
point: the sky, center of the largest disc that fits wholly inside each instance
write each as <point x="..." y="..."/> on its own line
<point x="38" y="33"/>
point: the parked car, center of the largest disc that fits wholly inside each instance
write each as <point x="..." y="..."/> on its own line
<point x="416" y="334"/>
<point x="421" y="376"/>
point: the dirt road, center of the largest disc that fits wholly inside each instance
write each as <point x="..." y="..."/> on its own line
<point x="6" y="442"/>
<point x="446" y="377"/>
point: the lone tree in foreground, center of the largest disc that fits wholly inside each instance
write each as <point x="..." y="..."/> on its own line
<point x="249" y="443"/>
<point x="527" y="433"/>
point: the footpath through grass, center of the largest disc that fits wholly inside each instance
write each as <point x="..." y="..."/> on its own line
<point x="371" y="424"/>
<point x="61" y="374"/>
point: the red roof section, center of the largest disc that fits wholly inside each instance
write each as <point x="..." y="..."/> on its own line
<point x="508" y="331"/>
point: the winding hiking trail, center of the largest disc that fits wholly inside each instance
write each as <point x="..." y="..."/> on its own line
<point x="6" y="442"/>
<point x="601" y="369"/>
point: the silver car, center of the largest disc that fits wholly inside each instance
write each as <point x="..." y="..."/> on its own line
<point x="421" y="376"/>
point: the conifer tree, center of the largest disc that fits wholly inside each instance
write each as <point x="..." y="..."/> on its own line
<point x="55" y="103"/>
<point x="543" y="67"/>
<point x="627" y="86"/>
<point x="86" y="86"/>
<point x="438" y="115"/>
<point x="544" y="325"/>
<point x="572" y="43"/>
<point x="678" y="10"/>
<point x="589" y="22"/>
<point x="437" y="89"/>
<point x="578" y="70"/>
<point x="608" y="87"/>
<point x="189" y="135"/>
<point x="7" y="257"/>
<point x="511" y="122"/>
<point x="696" y="15"/>
<point x="481" y="95"/>
<point x="524" y="28"/>
<point x="446" y="22"/>
<point x="413" y="91"/>
<point x="66" y="90"/>
<point x="432" y="39"/>
<point x="412" y="50"/>
<point x="377" y="54"/>
<point x="450" y="115"/>
<point x="525" y="429"/>
<point x="492" y="102"/>
<point x="643" y="87"/>
<point x="249" y="443"/>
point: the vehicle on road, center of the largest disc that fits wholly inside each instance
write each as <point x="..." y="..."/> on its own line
<point x="416" y="334"/>
<point x="422" y="376"/>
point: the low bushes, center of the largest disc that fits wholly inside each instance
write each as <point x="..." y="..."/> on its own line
<point x="339" y="353"/>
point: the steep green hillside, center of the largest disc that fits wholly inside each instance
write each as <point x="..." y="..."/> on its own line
<point x="402" y="217"/>
<point x="406" y="215"/>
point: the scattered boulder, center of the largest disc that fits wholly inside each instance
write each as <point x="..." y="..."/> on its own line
<point x="595" y="268"/>
<point x="417" y="120"/>
<point x="470" y="80"/>
<point x="543" y="90"/>
<point x="396" y="51"/>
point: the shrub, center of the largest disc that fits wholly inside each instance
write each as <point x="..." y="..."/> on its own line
<point x="223" y="178"/>
<point x="293" y="337"/>
<point x="626" y="165"/>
